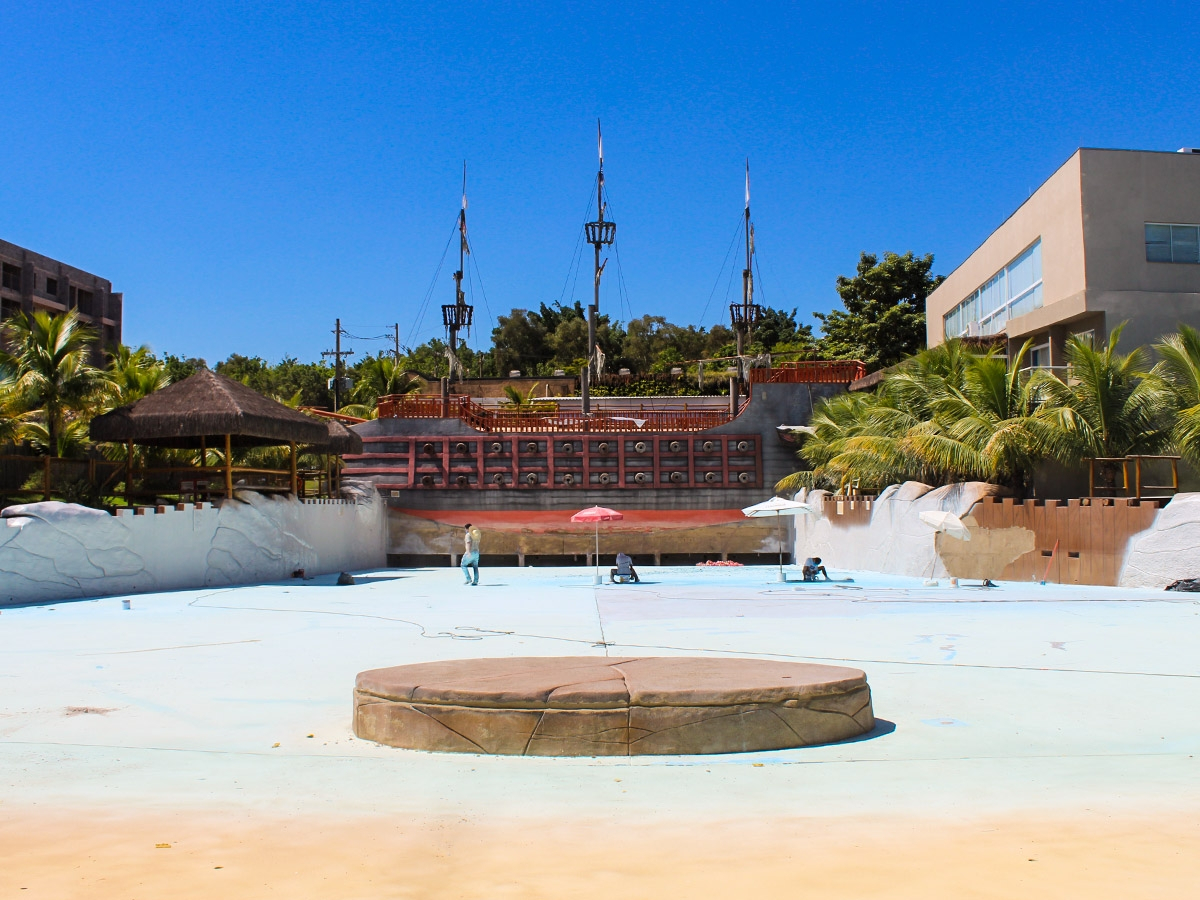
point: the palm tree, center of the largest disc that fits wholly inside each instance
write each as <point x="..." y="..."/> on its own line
<point x="379" y="376"/>
<point x="946" y="415"/>
<point x="132" y="374"/>
<point x="1180" y="370"/>
<point x="989" y="427"/>
<point x="53" y="380"/>
<point x="1112" y="404"/>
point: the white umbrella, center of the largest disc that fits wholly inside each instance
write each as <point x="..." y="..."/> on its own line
<point x="946" y="523"/>
<point x="943" y="523"/>
<point x="778" y="506"/>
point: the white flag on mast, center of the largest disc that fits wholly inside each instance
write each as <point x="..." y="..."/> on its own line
<point x="600" y="143"/>
<point x="747" y="184"/>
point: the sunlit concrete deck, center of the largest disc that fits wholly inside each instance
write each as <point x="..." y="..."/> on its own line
<point x="121" y="729"/>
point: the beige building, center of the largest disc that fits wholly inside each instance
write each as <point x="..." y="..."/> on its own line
<point x="1112" y="236"/>
<point x="30" y="282"/>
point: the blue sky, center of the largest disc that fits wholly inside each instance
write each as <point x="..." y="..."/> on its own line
<point x="247" y="172"/>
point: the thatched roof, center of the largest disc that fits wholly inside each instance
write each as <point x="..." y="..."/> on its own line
<point x="208" y="406"/>
<point x="341" y="439"/>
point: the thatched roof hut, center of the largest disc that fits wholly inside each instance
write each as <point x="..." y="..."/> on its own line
<point x="341" y="439"/>
<point x="204" y="409"/>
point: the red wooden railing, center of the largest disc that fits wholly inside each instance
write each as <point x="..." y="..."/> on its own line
<point x="818" y="371"/>
<point x="547" y="417"/>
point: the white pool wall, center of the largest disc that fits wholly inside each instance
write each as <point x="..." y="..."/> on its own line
<point x="56" y="551"/>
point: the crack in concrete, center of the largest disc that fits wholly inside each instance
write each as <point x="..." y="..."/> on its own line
<point x="448" y="728"/>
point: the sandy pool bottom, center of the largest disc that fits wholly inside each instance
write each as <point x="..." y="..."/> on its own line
<point x="182" y="854"/>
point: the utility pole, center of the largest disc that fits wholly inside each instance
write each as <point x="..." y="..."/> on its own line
<point x="458" y="315"/>
<point x="338" y="369"/>
<point x="599" y="234"/>
<point x="745" y="316"/>
<point x="396" y="338"/>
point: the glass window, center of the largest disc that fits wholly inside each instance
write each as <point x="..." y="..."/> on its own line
<point x="1184" y="246"/>
<point x="1172" y="243"/>
<point x="1013" y="291"/>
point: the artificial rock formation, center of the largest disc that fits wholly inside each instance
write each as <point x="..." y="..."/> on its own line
<point x="56" y="551"/>
<point x="597" y="706"/>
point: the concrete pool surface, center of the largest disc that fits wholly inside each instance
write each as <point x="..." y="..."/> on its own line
<point x="1032" y="741"/>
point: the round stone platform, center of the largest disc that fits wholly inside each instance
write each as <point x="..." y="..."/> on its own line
<point x="601" y="706"/>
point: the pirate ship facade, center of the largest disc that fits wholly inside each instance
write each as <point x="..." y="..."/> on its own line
<point x="679" y="468"/>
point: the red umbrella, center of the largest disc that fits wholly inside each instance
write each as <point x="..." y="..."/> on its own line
<point x="597" y="514"/>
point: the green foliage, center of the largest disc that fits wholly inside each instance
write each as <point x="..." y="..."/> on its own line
<point x="132" y="374"/>
<point x="1180" y="372"/>
<point x="284" y="379"/>
<point x="950" y="415"/>
<point x="179" y="369"/>
<point x="380" y="376"/>
<point x="883" y="321"/>
<point x="51" y="382"/>
<point x="1111" y="405"/>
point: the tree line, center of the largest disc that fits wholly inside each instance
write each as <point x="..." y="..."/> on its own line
<point x="50" y="387"/>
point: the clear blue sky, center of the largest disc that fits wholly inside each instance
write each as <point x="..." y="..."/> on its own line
<point x="247" y="172"/>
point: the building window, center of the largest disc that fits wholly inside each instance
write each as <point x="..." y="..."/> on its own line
<point x="1039" y="355"/>
<point x="1172" y="243"/>
<point x="84" y="302"/>
<point x="52" y="287"/>
<point x="12" y="277"/>
<point x="1013" y="291"/>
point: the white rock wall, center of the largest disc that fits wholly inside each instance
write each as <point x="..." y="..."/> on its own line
<point x="1168" y="551"/>
<point x="54" y="551"/>
<point x="896" y="541"/>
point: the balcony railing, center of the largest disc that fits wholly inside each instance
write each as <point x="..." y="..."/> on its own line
<point x="547" y="416"/>
<point x="810" y="372"/>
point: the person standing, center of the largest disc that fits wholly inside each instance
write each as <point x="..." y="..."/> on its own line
<point x="470" y="554"/>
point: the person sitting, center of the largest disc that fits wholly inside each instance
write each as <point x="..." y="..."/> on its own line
<point x="624" y="569"/>
<point x="813" y="567"/>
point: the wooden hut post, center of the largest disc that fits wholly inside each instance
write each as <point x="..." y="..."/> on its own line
<point x="129" y="472"/>
<point x="295" y="479"/>
<point x="228" y="468"/>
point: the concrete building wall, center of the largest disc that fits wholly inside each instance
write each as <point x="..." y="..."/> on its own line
<point x="1122" y="191"/>
<point x="34" y="282"/>
<point x="1090" y="216"/>
<point x="1054" y="214"/>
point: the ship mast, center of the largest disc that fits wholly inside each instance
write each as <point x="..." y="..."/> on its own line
<point x="745" y="316"/>
<point x="458" y="315"/>
<point x="599" y="233"/>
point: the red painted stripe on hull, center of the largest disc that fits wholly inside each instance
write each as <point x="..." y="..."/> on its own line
<point x="560" y="520"/>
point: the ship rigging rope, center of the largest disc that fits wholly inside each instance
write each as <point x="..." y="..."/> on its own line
<point x="432" y="286"/>
<point x="721" y="271"/>
<point x="473" y="270"/>
<point x="577" y="255"/>
<point x="622" y="288"/>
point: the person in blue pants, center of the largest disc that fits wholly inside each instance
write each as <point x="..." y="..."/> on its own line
<point x="470" y="556"/>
